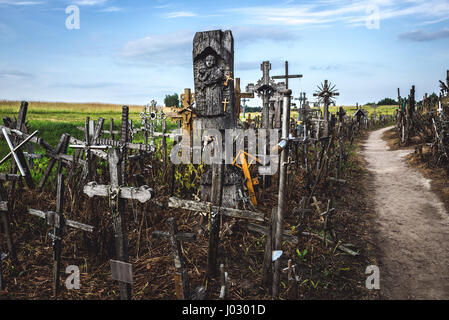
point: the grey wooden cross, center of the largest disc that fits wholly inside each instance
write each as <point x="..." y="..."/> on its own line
<point x="58" y="222"/>
<point x="60" y="150"/>
<point x="264" y="88"/>
<point x="287" y="76"/>
<point x="20" y="157"/>
<point x="89" y="147"/>
<point x="4" y="215"/>
<point x="2" y="257"/>
<point x="117" y="194"/>
<point x="182" y="287"/>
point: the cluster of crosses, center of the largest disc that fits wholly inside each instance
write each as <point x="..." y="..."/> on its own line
<point x="216" y="104"/>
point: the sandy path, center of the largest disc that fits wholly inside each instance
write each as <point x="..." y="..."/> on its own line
<point x="412" y="225"/>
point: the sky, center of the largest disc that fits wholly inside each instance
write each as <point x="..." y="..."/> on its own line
<point x="132" y="52"/>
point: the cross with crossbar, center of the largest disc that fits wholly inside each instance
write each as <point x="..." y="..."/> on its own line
<point x="182" y="287"/>
<point x="58" y="222"/>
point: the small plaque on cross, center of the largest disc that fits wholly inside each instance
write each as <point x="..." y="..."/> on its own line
<point x="122" y="271"/>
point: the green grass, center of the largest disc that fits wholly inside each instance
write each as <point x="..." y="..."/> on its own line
<point x="52" y="119"/>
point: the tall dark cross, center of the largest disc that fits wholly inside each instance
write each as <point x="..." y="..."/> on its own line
<point x="287" y="76"/>
<point x="445" y="86"/>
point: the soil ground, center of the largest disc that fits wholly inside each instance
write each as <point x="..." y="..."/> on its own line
<point x="411" y="223"/>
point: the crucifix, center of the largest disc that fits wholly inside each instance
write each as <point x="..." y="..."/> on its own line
<point x="57" y="220"/>
<point x="117" y="195"/>
<point x="287" y="76"/>
<point x="182" y="287"/>
<point x="240" y="96"/>
<point x="264" y="88"/>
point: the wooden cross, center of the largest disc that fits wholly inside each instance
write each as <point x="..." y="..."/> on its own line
<point x="20" y="126"/>
<point x="2" y="282"/>
<point x="244" y="101"/>
<point x="87" y="146"/>
<point x="4" y="215"/>
<point x="341" y="113"/>
<point x="117" y="195"/>
<point x="292" y="278"/>
<point x="57" y="221"/>
<point x="265" y="88"/>
<point x="182" y="287"/>
<point x="187" y="98"/>
<point x="287" y="76"/>
<point x="60" y="150"/>
<point x="240" y="96"/>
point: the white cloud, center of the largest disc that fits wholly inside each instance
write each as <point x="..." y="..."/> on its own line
<point x="175" y="48"/>
<point x="420" y="35"/>
<point x="89" y="2"/>
<point x="20" y="3"/>
<point x="340" y="11"/>
<point x="179" y="14"/>
<point x="110" y="9"/>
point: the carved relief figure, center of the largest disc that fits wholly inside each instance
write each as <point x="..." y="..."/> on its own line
<point x="211" y="78"/>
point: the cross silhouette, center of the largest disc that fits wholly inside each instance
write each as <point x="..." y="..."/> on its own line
<point x="286" y="76"/>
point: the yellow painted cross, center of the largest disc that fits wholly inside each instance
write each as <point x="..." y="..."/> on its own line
<point x="225" y="103"/>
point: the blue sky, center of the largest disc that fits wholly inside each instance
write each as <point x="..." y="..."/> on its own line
<point x="130" y="52"/>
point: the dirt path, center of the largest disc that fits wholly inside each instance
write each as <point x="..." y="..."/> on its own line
<point x="412" y="226"/>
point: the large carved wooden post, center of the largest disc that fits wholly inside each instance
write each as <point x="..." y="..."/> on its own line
<point x="213" y="67"/>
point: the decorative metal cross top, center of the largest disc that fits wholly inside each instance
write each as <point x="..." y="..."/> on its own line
<point x="325" y="95"/>
<point x="287" y="76"/>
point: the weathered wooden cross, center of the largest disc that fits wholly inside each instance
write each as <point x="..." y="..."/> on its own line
<point x="287" y="76"/>
<point x="240" y="96"/>
<point x="182" y="286"/>
<point x="57" y="220"/>
<point x="89" y="147"/>
<point x="4" y="215"/>
<point x="2" y="282"/>
<point x="19" y="155"/>
<point x="117" y="194"/>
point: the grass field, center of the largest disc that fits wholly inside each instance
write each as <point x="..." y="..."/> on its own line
<point x="52" y="119"/>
